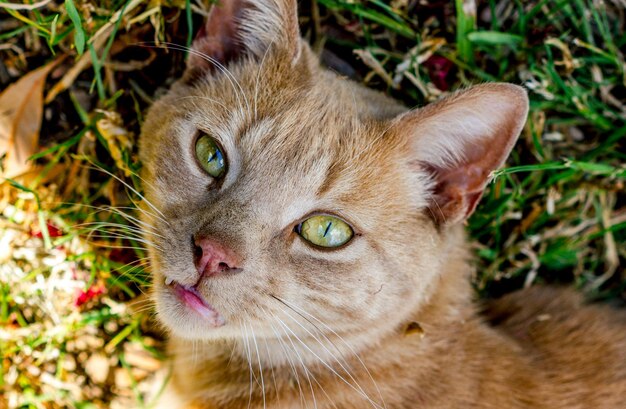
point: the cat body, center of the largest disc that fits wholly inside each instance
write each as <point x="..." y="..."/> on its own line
<point x="259" y="315"/>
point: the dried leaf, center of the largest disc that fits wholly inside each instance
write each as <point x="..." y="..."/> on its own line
<point x="21" y="110"/>
<point x="368" y="59"/>
<point x="117" y="137"/>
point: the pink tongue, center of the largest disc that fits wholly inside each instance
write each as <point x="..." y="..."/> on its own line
<point x="193" y="300"/>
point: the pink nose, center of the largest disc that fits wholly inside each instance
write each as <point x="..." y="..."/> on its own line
<point x="213" y="258"/>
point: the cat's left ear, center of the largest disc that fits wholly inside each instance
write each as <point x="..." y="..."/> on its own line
<point x="238" y="28"/>
<point x="460" y="141"/>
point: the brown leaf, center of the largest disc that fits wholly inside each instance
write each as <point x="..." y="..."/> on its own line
<point x="21" y="110"/>
<point x="112" y="129"/>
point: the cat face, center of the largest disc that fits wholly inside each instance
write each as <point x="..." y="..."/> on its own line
<point x="301" y="153"/>
<point x="303" y="150"/>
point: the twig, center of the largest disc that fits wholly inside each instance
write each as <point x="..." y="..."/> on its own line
<point x="14" y="6"/>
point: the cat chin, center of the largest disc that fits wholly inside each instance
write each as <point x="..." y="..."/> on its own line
<point x="184" y="325"/>
<point x="184" y="320"/>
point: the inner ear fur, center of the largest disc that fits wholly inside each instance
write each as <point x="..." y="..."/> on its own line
<point x="235" y="29"/>
<point x="460" y="140"/>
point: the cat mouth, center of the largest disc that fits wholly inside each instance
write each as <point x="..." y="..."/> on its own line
<point x="192" y="299"/>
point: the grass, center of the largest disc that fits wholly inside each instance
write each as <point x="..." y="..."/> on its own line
<point x="75" y="329"/>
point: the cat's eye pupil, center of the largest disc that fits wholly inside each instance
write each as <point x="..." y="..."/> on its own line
<point x="327" y="228"/>
<point x="210" y="156"/>
<point x="325" y="231"/>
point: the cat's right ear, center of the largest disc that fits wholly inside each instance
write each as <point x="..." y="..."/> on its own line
<point x="236" y="29"/>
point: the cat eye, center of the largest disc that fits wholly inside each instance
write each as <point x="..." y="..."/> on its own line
<point x="325" y="231"/>
<point x="210" y="156"/>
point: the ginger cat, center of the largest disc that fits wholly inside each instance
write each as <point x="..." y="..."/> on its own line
<point x="309" y="249"/>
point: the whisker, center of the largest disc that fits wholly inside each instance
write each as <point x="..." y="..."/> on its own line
<point x="139" y="223"/>
<point x="332" y="356"/>
<point x="117" y="210"/>
<point x="299" y="356"/>
<point x="115" y="235"/>
<point x="295" y="308"/>
<point x="232" y="352"/>
<point x="136" y="265"/>
<point x="96" y="244"/>
<point x="360" y="392"/>
<point x="231" y="78"/>
<point x="289" y="360"/>
<point x="269" y="356"/>
<point x="121" y="227"/>
<point x="249" y="359"/>
<point x="116" y="231"/>
<point x="91" y="239"/>
<point x="148" y="213"/>
<point x="96" y="167"/>
<point x="260" y="366"/>
<point x="119" y="235"/>
<point x="147" y="309"/>
<point x="325" y="393"/>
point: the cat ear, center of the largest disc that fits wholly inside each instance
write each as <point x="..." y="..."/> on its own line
<point x="460" y="140"/>
<point x="235" y="28"/>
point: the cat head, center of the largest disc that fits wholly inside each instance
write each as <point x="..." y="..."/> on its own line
<point x="279" y="192"/>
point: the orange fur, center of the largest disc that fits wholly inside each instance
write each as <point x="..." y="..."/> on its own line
<point x="324" y="329"/>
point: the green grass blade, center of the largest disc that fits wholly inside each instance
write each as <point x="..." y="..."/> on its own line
<point x="79" y="33"/>
<point x="494" y="38"/>
<point x="465" y="24"/>
<point x="371" y="15"/>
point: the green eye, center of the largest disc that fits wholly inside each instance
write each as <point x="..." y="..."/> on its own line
<point x="325" y="231"/>
<point x="210" y="156"/>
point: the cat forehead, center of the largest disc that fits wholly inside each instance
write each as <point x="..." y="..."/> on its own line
<point x="298" y="139"/>
<point x="302" y="126"/>
<point x="306" y="158"/>
<point x="319" y="151"/>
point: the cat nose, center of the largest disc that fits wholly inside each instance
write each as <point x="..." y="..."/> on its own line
<point x="212" y="258"/>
